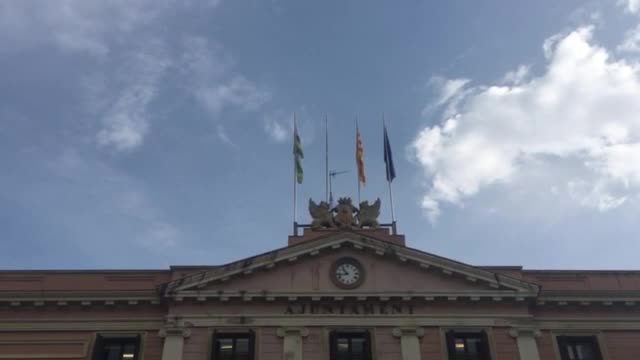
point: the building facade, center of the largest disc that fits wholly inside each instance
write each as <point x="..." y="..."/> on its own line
<point x="329" y="295"/>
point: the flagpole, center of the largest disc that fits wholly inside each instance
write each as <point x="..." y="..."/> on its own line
<point x="295" y="180"/>
<point x="326" y="157"/>
<point x="357" y="165"/>
<point x="393" y="215"/>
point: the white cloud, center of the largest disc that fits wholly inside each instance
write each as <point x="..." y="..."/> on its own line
<point x="134" y="56"/>
<point x="517" y="76"/>
<point x="584" y="106"/>
<point x="126" y="121"/>
<point x="278" y="130"/>
<point x="85" y="26"/>
<point x="223" y="136"/>
<point x="594" y="196"/>
<point x="631" y="41"/>
<point x="632" y="6"/>
<point x="448" y="90"/>
<point x="451" y="88"/>
<point x="208" y="76"/>
<point x="238" y="92"/>
<point x="214" y="82"/>
<point x="74" y="25"/>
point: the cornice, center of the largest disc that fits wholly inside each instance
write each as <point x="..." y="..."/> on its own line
<point x="425" y="296"/>
<point x="422" y="260"/>
<point x="85" y="299"/>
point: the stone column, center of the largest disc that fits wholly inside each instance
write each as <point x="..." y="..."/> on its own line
<point x="292" y="342"/>
<point x="409" y="341"/>
<point x="526" y="340"/>
<point x="173" y="335"/>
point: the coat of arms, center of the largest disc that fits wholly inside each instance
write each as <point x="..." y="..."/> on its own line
<point x="344" y="215"/>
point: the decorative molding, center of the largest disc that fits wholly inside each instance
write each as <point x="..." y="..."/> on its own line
<point x="408" y="331"/>
<point x="81" y="325"/>
<point x="292" y="331"/>
<point x="179" y="331"/>
<point x="259" y="320"/>
<point x="68" y="300"/>
<point x="175" y="327"/>
<point x="451" y="320"/>
<point x="525" y="332"/>
<point x="403" y="255"/>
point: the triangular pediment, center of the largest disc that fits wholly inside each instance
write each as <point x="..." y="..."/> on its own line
<point x="390" y="270"/>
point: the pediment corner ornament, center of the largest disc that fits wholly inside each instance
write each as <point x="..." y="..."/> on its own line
<point x="408" y="331"/>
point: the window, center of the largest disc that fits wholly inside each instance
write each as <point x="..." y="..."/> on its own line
<point x="233" y="346"/>
<point x="472" y="345"/>
<point x="579" y="348"/>
<point x="116" y="348"/>
<point x="350" y="345"/>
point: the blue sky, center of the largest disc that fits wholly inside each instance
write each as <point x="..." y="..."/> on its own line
<point x="146" y="133"/>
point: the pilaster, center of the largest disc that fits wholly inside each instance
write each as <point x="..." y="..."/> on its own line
<point x="409" y="341"/>
<point x="292" y="342"/>
<point x="174" y="334"/>
<point x="526" y="340"/>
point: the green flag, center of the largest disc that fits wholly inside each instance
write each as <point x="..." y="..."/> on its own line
<point x="298" y="154"/>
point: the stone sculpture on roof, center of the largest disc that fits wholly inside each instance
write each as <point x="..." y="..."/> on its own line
<point x="344" y="215"/>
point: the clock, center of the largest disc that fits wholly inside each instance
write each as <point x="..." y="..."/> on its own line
<point x="347" y="273"/>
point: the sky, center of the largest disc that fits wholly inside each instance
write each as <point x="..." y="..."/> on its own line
<point x="141" y="134"/>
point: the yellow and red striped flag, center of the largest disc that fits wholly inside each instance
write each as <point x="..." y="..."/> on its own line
<point x="362" y="177"/>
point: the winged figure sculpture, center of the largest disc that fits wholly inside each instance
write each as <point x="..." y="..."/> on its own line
<point x="321" y="215"/>
<point x="368" y="215"/>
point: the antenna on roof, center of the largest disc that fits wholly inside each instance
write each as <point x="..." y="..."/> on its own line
<point x="332" y="175"/>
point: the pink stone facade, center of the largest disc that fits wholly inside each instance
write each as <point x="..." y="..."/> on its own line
<point x="288" y="295"/>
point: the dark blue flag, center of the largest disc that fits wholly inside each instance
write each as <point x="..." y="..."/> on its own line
<point x="388" y="158"/>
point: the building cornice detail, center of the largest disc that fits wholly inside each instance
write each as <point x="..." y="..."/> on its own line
<point x="426" y="296"/>
<point x="422" y="260"/>
<point x="64" y="300"/>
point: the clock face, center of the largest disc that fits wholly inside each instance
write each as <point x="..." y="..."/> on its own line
<point x="347" y="273"/>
